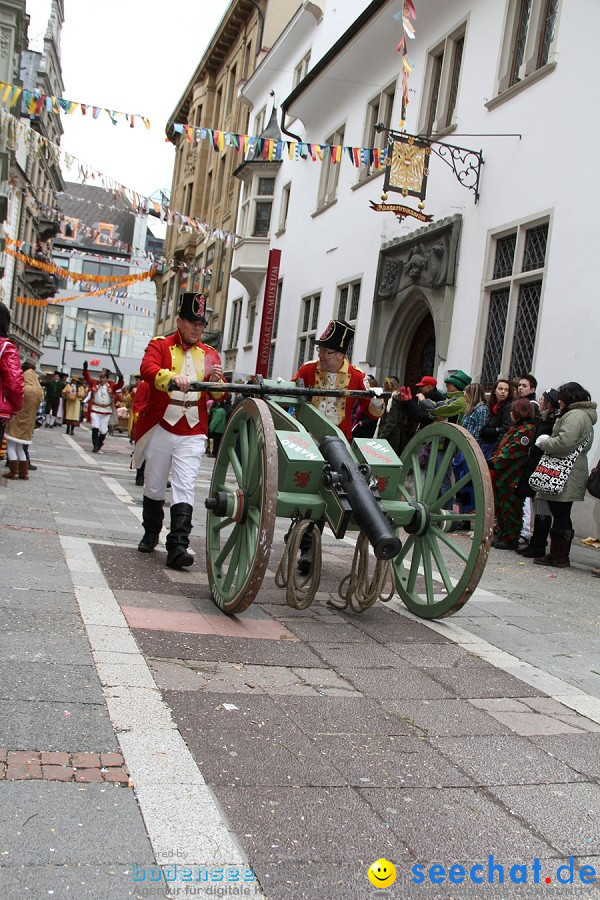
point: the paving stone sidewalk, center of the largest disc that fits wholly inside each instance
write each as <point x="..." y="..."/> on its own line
<point x="323" y="740"/>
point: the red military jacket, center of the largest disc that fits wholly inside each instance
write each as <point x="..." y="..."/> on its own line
<point x="113" y="387"/>
<point x="349" y="378"/>
<point x="164" y="358"/>
<point x="140" y="397"/>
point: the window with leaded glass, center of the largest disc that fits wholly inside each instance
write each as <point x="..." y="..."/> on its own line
<point x="514" y="295"/>
<point x="257" y="205"/>
<point x="379" y="112"/>
<point x="330" y="172"/>
<point x="348" y="302"/>
<point x="505" y="256"/>
<point x="524" y="16"/>
<point x="234" y="328"/>
<point x="251" y="316"/>
<point x="534" y="253"/>
<point x="494" y="338"/>
<point x="529" y="41"/>
<point x="442" y="83"/>
<point x="309" y="317"/>
<point x="528" y="308"/>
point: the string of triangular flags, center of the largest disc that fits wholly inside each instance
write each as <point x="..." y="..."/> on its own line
<point x="10" y="127"/>
<point x="34" y="102"/>
<point x="271" y="150"/>
<point x="408" y="13"/>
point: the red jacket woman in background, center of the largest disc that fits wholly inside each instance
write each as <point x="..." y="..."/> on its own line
<point x="12" y="390"/>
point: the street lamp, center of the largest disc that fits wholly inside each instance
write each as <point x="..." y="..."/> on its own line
<point x="66" y="341"/>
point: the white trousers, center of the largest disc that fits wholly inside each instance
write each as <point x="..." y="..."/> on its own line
<point x="16" y="449"/>
<point x="178" y="454"/>
<point x="100" y="421"/>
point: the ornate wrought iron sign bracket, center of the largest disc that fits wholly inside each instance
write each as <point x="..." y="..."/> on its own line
<point x="466" y="164"/>
<point x="407" y="164"/>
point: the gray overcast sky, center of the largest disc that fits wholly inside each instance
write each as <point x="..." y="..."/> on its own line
<point x="132" y="56"/>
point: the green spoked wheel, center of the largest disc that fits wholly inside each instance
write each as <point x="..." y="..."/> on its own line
<point x="241" y="507"/>
<point x="445" y="551"/>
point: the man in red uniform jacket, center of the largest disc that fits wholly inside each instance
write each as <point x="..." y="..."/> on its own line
<point x="334" y="370"/>
<point x="101" y="402"/>
<point x="172" y="427"/>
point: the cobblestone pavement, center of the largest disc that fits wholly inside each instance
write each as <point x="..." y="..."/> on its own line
<point x="151" y="745"/>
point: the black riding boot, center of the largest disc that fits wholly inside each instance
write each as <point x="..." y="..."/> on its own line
<point x="536" y="548"/>
<point x="178" y="539"/>
<point x="152" y="519"/>
<point x="101" y="439"/>
<point x="139" y="474"/>
<point x="95" y="441"/>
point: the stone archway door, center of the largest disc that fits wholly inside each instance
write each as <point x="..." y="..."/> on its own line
<point x="420" y="359"/>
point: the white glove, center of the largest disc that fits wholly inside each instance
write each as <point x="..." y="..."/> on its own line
<point x="542" y="441"/>
<point x="377" y="403"/>
<point x="378" y="391"/>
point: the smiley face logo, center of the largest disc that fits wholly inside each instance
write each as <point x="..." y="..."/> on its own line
<point x="381" y="873"/>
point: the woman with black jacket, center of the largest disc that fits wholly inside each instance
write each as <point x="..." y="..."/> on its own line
<point x="500" y="406"/>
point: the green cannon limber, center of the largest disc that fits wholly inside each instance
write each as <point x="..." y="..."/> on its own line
<point x="279" y="456"/>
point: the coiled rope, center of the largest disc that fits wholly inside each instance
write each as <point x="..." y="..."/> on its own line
<point x="300" y="589"/>
<point x="358" y="589"/>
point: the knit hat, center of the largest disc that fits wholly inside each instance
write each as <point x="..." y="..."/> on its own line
<point x="459" y="379"/>
<point x="551" y="396"/>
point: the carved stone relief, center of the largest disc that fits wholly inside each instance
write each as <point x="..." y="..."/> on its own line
<point x="425" y="259"/>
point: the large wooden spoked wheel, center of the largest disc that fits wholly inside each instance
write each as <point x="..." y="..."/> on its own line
<point x="438" y="568"/>
<point x="243" y="496"/>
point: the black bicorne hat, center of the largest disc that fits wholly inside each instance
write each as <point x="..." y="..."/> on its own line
<point x="337" y="336"/>
<point x="192" y="307"/>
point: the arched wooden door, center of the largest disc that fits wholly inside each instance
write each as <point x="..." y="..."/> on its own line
<point x="420" y="359"/>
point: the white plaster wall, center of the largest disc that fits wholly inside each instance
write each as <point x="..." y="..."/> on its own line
<point x="549" y="169"/>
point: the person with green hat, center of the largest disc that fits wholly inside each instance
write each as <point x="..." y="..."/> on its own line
<point x="450" y="409"/>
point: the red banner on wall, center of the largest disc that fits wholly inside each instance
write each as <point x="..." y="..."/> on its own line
<point x="268" y="313"/>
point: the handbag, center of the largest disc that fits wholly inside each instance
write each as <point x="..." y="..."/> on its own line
<point x="593" y="482"/>
<point x="552" y="472"/>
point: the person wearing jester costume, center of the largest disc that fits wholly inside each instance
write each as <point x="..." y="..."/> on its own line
<point x="172" y="428"/>
<point x="509" y="460"/>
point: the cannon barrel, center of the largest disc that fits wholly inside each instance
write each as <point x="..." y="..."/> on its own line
<point x="367" y="512"/>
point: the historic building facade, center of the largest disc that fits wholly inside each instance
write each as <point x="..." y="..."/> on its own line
<point x="97" y="240"/>
<point x="35" y="180"/>
<point x="484" y="286"/>
<point x="202" y="186"/>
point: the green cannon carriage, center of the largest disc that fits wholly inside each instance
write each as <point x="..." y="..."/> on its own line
<point x="279" y="456"/>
